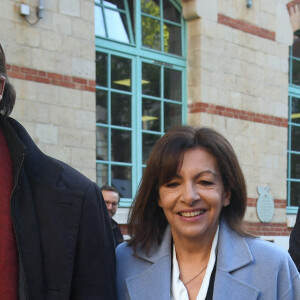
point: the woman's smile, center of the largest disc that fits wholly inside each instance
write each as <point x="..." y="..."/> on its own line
<point x="194" y="213"/>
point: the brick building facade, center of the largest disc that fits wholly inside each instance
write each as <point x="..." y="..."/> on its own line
<point x="237" y="64"/>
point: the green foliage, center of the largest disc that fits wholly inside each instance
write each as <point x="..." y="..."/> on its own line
<point x="151" y="27"/>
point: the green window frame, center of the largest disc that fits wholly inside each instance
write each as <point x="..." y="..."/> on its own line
<point x="157" y="90"/>
<point x="293" y="151"/>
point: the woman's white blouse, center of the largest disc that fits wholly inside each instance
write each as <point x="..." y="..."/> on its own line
<point x="178" y="290"/>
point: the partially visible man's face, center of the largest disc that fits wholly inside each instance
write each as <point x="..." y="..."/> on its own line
<point x="111" y="199"/>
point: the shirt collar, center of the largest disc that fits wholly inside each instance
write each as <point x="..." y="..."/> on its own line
<point x="178" y="290"/>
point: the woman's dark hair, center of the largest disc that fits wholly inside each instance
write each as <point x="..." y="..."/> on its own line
<point x="9" y="95"/>
<point x="147" y="221"/>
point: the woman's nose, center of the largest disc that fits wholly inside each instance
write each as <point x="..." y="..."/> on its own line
<point x="190" y="194"/>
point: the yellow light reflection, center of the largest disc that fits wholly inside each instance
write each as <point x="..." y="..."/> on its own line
<point x="149" y="118"/>
<point x="127" y="82"/>
<point x="296" y="116"/>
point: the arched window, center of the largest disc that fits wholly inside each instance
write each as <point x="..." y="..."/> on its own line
<point x="140" y="82"/>
<point x="293" y="176"/>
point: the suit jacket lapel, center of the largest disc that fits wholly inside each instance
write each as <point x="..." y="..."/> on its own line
<point x="156" y="280"/>
<point x="233" y="254"/>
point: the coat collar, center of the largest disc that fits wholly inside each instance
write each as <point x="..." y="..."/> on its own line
<point x="42" y="167"/>
<point x="155" y="281"/>
<point x="233" y="254"/>
<point x="39" y="197"/>
<point x="233" y="251"/>
<point x="158" y="251"/>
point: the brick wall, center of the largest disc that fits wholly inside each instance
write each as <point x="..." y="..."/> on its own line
<point x="238" y="84"/>
<point x="52" y="66"/>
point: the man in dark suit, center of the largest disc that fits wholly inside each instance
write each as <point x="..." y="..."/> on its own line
<point x="55" y="233"/>
<point x="294" y="249"/>
<point x="112" y="198"/>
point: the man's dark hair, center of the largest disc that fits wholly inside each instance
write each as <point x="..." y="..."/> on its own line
<point x="110" y="189"/>
<point x="9" y="95"/>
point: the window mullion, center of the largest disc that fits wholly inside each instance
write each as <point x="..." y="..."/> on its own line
<point x="129" y="25"/>
<point x="138" y="24"/>
<point x="104" y="21"/>
<point x="162" y="44"/>
<point x="162" y="127"/>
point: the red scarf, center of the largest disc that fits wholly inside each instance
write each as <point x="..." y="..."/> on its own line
<point x="8" y="246"/>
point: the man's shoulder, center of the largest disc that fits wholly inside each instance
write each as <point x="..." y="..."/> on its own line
<point x="45" y="167"/>
<point x="113" y="223"/>
<point x="70" y="175"/>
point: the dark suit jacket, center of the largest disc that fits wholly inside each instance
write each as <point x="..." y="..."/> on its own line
<point x="62" y="226"/>
<point x="294" y="249"/>
<point x="117" y="234"/>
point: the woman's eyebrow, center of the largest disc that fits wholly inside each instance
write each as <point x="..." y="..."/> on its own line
<point x="205" y="172"/>
<point x="199" y="174"/>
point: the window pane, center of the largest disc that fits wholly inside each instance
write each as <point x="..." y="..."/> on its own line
<point x="121" y="179"/>
<point x="296" y="72"/>
<point x="101" y="69"/>
<point x="114" y="3"/>
<point x="295" y="138"/>
<point x="99" y="23"/>
<point x="295" y="166"/>
<point x="172" y="39"/>
<point x="121" y="110"/>
<point x="296" y="48"/>
<point x="151" y="115"/>
<point x="101" y="106"/>
<point x="148" y="142"/>
<point x="172" y="114"/>
<point x="170" y="12"/>
<point x="120" y="145"/>
<point x="116" y="25"/>
<point x="151" y="80"/>
<point x="151" y="7"/>
<point x="295" y="194"/>
<point x="102" y="174"/>
<point x="172" y="84"/>
<point x="295" y="116"/>
<point x="151" y="33"/>
<point x="101" y="141"/>
<point x="121" y="73"/>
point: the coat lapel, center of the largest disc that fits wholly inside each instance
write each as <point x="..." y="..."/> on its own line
<point x="233" y="254"/>
<point x="227" y="287"/>
<point x="45" y="209"/>
<point x="156" y="280"/>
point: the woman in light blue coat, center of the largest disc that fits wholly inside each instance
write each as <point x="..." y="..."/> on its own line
<point x="187" y="241"/>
